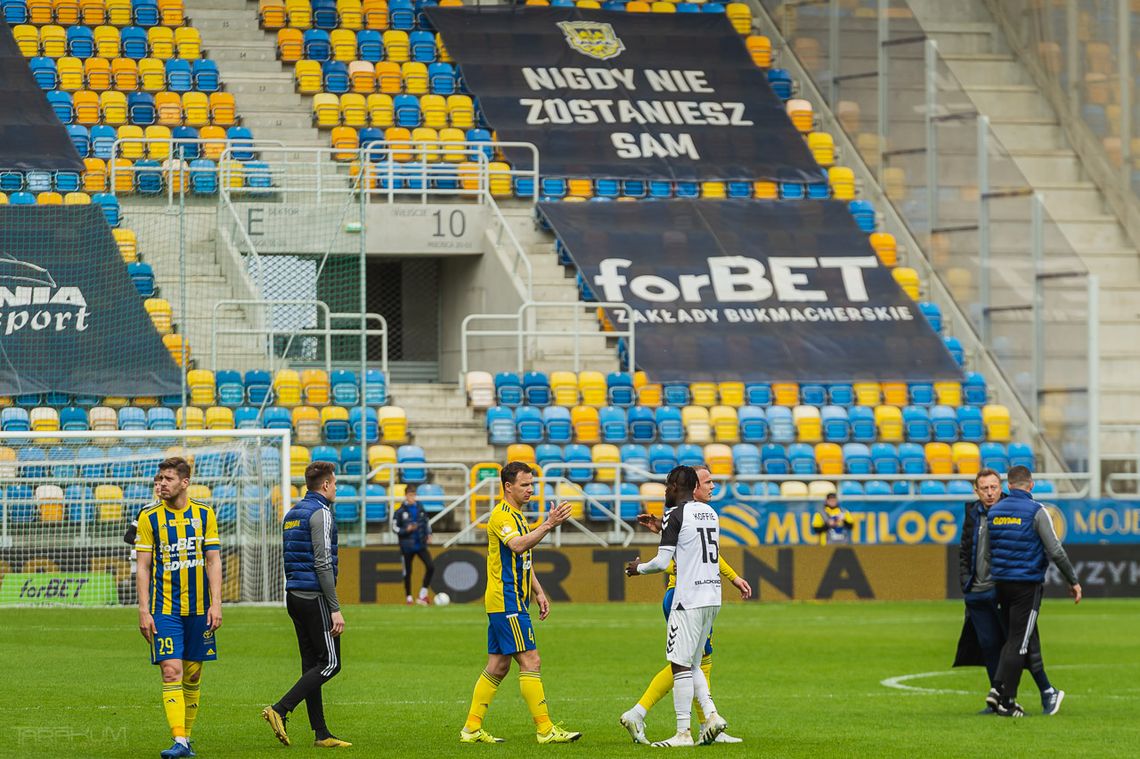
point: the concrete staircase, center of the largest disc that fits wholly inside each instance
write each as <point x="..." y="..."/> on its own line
<point x="1030" y="130"/>
<point x="445" y="427"/>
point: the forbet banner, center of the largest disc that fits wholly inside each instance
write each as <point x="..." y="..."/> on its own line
<point x="605" y="94"/>
<point x="71" y="320"/>
<point x="751" y="290"/>
<point x="58" y="589"/>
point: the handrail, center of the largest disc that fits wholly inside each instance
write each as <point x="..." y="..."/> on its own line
<point x="521" y="331"/>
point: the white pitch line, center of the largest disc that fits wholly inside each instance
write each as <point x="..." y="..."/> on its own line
<point x="900" y="680"/>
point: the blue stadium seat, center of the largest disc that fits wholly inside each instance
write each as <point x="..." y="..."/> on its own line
<point x="431" y="497"/>
<point x="179" y="76"/>
<point x="781" y="83"/>
<point x="662" y="458"/>
<point x="642" y="424"/>
<point x="577" y="454"/>
<point x="407" y="111"/>
<point x="80" y="41"/>
<point x="960" y="488"/>
<point x="1021" y="454"/>
<point x="411" y="455"/>
<point x="676" y="394"/>
<point x="337" y="431"/>
<point x="347" y="509"/>
<point x="791" y="191"/>
<point x="857" y="458"/>
<point x="974" y="389"/>
<point x="508" y="389"/>
<point x="933" y="314"/>
<point x="885" y="459"/>
<point x="781" y="428"/>
<point x="775" y="459"/>
<point x="230" y="390"/>
<point x="257" y="174"/>
<point x="365" y="425"/>
<point x="15" y="11"/>
<point x="669" y="426"/>
<point x="619" y="386"/>
<point x="758" y="394"/>
<point x="842" y="394"/>
<point x="637" y="457"/>
<point x="96" y="466"/>
<point x="369" y="46"/>
<point x="863" y="211"/>
<point x="353" y="460"/>
<point x="554" y="188"/>
<point x="916" y="424"/>
<point x="148" y="179"/>
<point x="746" y="459"/>
<point x="145" y="12"/>
<point x="73" y="419"/>
<point x="141" y="108"/>
<point x="921" y="393"/>
<point x="876" y="488"/>
<point x="912" y="458"/>
<point x="862" y="420"/>
<point x="241" y="143"/>
<point x="802" y="458"/>
<point x="753" y="424"/>
<point x="160" y="418"/>
<point x="690" y="455"/>
<point x="501" y="425"/>
<point x="615" y="428"/>
<point x="258" y="383"/>
<point x="277" y="418"/>
<point x="142" y="277"/>
<point x="556" y="420"/>
<point x="375" y="503"/>
<point x="344" y="388"/>
<point x="375" y="387"/>
<point x="225" y="502"/>
<point x="547" y="454"/>
<point x="836" y="427"/>
<point x="206" y="77"/>
<point x="132" y="418"/>
<point x="43" y="71"/>
<point x="21" y="503"/>
<point x="600" y="492"/>
<point x="954" y="345"/>
<point x="945" y="424"/>
<point x="186" y="150"/>
<point x="247" y="418"/>
<point x="536" y="389"/>
<point x="336" y="79"/>
<point x="970" y="424"/>
<point x="315" y="43"/>
<point x="993" y="456"/>
<point x="133" y="42"/>
<point x="528" y="422"/>
<point x="324" y="14"/>
<point x="137" y="495"/>
<point x="60" y="103"/>
<point x="931" y="487"/>
<point x="422" y="45"/>
<point x="402" y="15"/>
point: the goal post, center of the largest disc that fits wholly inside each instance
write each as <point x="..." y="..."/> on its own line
<point x="68" y="497"/>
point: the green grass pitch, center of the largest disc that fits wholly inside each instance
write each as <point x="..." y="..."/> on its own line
<point x="795" y="680"/>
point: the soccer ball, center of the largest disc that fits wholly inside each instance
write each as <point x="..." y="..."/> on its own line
<point x="442" y="599"/>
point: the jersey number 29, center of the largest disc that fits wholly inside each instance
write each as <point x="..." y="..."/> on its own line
<point x="710" y="553"/>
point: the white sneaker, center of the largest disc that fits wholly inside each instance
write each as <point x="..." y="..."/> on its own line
<point x="714" y="726"/>
<point x="683" y="738"/>
<point x="633" y="722"/>
<point x="726" y="738"/>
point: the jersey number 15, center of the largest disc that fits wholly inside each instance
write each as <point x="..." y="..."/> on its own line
<point x="710" y="553"/>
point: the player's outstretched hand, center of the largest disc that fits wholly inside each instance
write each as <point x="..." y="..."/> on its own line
<point x="214" y="616"/>
<point x="543" y="606"/>
<point x="559" y="514"/>
<point x="744" y="588"/>
<point x="631" y="567"/>
<point x="337" y="623"/>
<point x="649" y="522"/>
<point x="1075" y="592"/>
<point x="146" y="625"/>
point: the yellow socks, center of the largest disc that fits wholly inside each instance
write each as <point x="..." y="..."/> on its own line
<point x="485" y="688"/>
<point x="530" y="683"/>
<point x="175" y="707"/>
<point x="191" y="681"/>
<point x="658" y="688"/>
<point x="706" y="667"/>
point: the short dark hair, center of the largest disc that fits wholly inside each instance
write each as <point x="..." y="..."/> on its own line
<point x="986" y="472"/>
<point x="679" y="485"/>
<point x="318" y="473"/>
<point x="511" y="471"/>
<point x="409" y="490"/>
<point x="178" y="464"/>
<point x="1019" y="475"/>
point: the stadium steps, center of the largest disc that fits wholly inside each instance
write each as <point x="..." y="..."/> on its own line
<point x="445" y="427"/>
<point x="1002" y="89"/>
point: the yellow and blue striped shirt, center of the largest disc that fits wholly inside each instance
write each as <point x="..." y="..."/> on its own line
<point x="178" y="541"/>
<point x="508" y="574"/>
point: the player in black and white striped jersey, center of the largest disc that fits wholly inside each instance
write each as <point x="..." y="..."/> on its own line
<point x="690" y="537"/>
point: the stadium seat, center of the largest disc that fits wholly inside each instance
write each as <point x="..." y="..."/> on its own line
<point x="775" y="459"/>
<point x="586" y="423"/>
<point x="966" y="457"/>
<point x="614" y="425"/>
<point x="781" y="427"/>
<point x="1021" y="454"/>
<point x="835" y="425"/>
<point x="939" y="458"/>
<point x="557" y="423"/>
<point x="912" y="459"/>
<point x="528" y="424"/>
<point x="997" y="422"/>
<point x="808" y="423"/>
<point x="753" y="424"/>
<point x="695" y="420"/>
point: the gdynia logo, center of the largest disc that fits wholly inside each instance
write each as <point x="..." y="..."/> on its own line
<point x="592" y="38"/>
<point x="30" y="299"/>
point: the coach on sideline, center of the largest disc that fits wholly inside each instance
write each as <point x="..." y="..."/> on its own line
<point x="310" y="553"/>
<point x="1017" y="546"/>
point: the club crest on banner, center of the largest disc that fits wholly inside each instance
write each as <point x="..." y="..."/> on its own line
<point x="592" y="38"/>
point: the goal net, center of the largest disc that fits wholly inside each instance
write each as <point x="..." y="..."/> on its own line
<point x="67" y="499"/>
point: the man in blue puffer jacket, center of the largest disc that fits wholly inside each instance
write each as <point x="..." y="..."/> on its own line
<point x="310" y="553"/>
<point x="1017" y="548"/>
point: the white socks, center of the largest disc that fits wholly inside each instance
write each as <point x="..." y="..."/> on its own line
<point x="683" y="697"/>
<point x="701" y="692"/>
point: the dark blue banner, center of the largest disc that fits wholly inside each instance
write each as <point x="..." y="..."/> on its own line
<point x="751" y="290"/>
<point x="606" y="94"/>
<point x="71" y="320"/>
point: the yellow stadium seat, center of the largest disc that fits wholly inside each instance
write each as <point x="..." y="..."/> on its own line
<point x="49" y="199"/>
<point x="907" y="279"/>
<point x="380" y="458"/>
<point x="427" y="144"/>
<point x="158" y="143"/>
<point x="287" y="388"/>
<point x="415" y="77"/>
<point x="564" y="386"/>
<point x="95" y="179"/>
<point x="353" y="109"/>
<point x="362" y="75"/>
<point x="867" y="393"/>
<point x="53" y="41"/>
<point x="895" y="393"/>
<point x="77" y="199"/>
<point x="161" y="42"/>
<point x="461" y="111"/>
<point x="842" y="181"/>
<point x="290" y="45"/>
<point x="172" y="12"/>
<point x="123" y="175"/>
<point x="592" y="387"/>
<point x="396" y="46"/>
<point x="393" y="424"/>
<point x="650" y="395"/>
<point x="86" y="105"/>
<point x="7" y="462"/>
<point x="499" y="179"/>
<point x="351" y="14"/>
<point x="190" y="418"/>
<point x="785" y="393"/>
<point x="587" y="428"/>
<point x="652" y="493"/>
<point x="400" y="143"/>
<point x="725" y="424"/>
<point x="469" y="173"/>
<point x="375" y="14"/>
<point x="44" y="419"/>
<point x="886" y="248"/>
<point x="272" y="14"/>
<point x="661" y="6"/>
<point x="380" y="110"/>
<point x="809" y="428"/>
<point x="27" y="39"/>
<point x="731" y="393"/>
<point x="71" y="74"/>
<point x="299" y="13"/>
<point x="939" y="459"/>
<point x="711" y="190"/>
<point x="948" y="393"/>
<point x="573" y="495"/>
<point x="696" y="422"/>
<point x="638" y="6"/>
<point x="829" y="459"/>
<point x="315" y="386"/>
<point x="790" y="489"/>
<point x="441" y="49"/>
<point x="178" y="348"/>
<point x="109" y="502"/>
<point x="764" y="190"/>
<point x="343" y="43"/>
<point x="160" y="313"/>
<point x="820" y="489"/>
<point x="92" y="12"/>
<point x="307" y="425"/>
<point x="223" y="109"/>
<point x="967" y="458"/>
<point x="521" y="452"/>
<point x="760" y="48"/>
<point x="741" y="17"/>
<point x="124" y="74"/>
<point x="128" y="244"/>
<point x="345" y="141"/>
<point x="997" y="422"/>
<point x="889" y="421"/>
<point x="188" y="42"/>
<point x="202" y="387"/>
<point x="434" y="109"/>
<point x="169" y="107"/>
<point x="822" y="148"/>
<point x="104" y="418"/>
<point x="703" y="393"/>
<point x="389" y="78"/>
<point x="451" y="142"/>
<point x="580" y="188"/>
<point x="801" y="114"/>
<point x="299" y="458"/>
<point x="119" y="12"/>
<point x="605" y="453"/>
<point x="718" y="458"/>
<point x="219" y="418"/>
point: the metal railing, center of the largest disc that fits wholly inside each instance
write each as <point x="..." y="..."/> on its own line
<point x="526" y="335"/>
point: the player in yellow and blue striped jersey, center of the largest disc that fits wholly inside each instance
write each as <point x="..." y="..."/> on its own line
<point x="510" y="586"/>
<point x="179" y="584"/>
